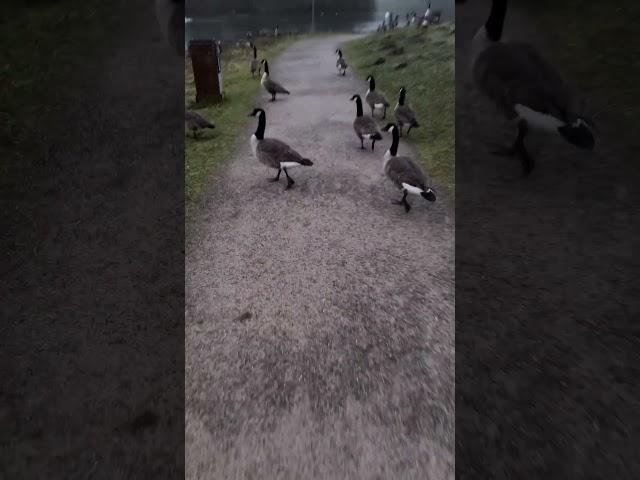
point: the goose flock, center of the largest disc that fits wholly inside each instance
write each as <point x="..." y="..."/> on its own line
<point x="527" y="89"/>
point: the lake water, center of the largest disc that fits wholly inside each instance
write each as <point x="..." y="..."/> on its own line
<point x="235" y="27"/>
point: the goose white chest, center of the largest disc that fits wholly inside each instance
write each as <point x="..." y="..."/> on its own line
<point x="254" y="145"/>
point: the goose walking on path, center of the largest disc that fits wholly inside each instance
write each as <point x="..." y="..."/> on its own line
<point x="405" y="173"/>
<point x="364" y="125"/>
<point x="269" y="85"/>
<point x="196" y="122"/>
<point x="274" y="153"/>
<point x="527" y="89"/>
<point x="254" y="65"/>
<point x="341" y="64"/>
<point x="374" y="98"/>
<point x="404" y="113"/>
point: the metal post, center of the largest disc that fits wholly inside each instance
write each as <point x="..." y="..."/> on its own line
<point x="313" y="16"/>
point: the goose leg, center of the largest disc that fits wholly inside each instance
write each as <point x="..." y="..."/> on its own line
<point x="384" y="113"/>
<point x="403" y="201"/>
<point x="195" y="133"/>
<point x="400" y="128"/>
<point x="409" y="129"/>
<point x="518" y="148"/>
<point x="373" y="142"/>
<point x="277" y="176"/>
<point x="361" y="143"/>
<point x="289" y="180"/>
<point x="273" y="97"/>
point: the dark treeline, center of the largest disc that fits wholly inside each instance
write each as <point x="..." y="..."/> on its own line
<point x="221" y="7"/>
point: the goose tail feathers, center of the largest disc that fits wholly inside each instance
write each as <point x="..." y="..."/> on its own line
<point x="306" y="162"/>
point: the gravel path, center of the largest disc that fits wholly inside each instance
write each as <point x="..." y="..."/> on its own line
<point x="320" y="320"/>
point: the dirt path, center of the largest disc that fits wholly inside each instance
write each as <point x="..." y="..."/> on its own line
<point x="319" y="323"/>
<point x="544" y="332"/>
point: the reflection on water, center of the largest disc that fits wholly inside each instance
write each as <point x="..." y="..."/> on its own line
<point x="234" y="27"/>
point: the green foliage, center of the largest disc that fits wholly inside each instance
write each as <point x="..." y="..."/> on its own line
<point x="205" y="153"/>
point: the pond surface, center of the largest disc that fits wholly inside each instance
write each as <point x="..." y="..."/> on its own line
<point x="232" y="27"/>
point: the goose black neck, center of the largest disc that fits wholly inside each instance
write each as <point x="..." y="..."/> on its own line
<point x="396" y="140"/>
<point x="495" y="22"/>
<point x="266" y="67"/>
<point x="401" y="99"/>
<point x="372" y="84"/>
<point x="358" y="107"/>
<point x="255" y="52"/>
<point x="262" y="122"/>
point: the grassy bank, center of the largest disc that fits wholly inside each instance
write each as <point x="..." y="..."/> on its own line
<point x="204" y="154"/>
<point x="595" y="49"/>
<point x="429" y="79"/>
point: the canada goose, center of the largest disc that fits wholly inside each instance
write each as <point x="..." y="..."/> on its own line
<point x="255" y="65"/>
<point x="404" y="172"/>
<point x="269" y="85"/>
<point x="196" y="122"/>
<point x="365" y="126"/>
<point x="272" y="152"/>
<point x="170" y="14"/>
<point x="527" y="89"/>
<point x="341" y="64"/>
<point x="432" y="16"/>
<point x="375" y="99"/>
<point x="404" y="114"/>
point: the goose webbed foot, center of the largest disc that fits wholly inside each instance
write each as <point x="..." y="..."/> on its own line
<point x="403" y="202"/>
<point x="290" y="181"/>
<point x="276" y="178"/>
<point x="518" y="148"/>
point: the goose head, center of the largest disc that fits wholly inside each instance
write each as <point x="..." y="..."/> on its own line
<point x="355" y="97"/>
<point x="170" y="15"/>
<point x="491" y="31"/>
<point x="256" y="112"/>
<point x="339" y="52"/>
<point x="372" y="83"/>
<point x="389" y="127"/>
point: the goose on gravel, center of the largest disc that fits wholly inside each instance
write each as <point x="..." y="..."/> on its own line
<point x="404" y="113"/>
<point x="170" y="14"/>
<point x="196" y="122"/>
<point x="341" y="64"/>
<point x="404" y="172"/>
<point x="274" y="153"/>
<point x="269" y="85"/>
<point x="365" y="126"/>
<point x="254" y="65"/>
<point x="374" y="98"/>
<point x="527" y="89"/>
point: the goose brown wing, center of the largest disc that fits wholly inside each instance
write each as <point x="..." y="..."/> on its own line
<point x="275" y="152"/>
<point x="403" y="170"/>
<point x="515" y="73"/>
<point x="274" y="87"/>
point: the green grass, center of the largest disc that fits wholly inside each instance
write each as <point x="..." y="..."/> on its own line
<point x="206" y="153"/>
<point x="429" y="79"/>
<point x="595" y="46"/>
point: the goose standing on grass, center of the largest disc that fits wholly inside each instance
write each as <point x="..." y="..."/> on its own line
<point x="196" y="122"/>
<point x="341" y="65"/>
<point x="527" y="89"/>
<point x="274" y="153"/>
<point x="375" y="99"/>
<point x="364" y="125"/>
<point x="404" y="113"/>
<point x="254" y="65"/>
<point x="404" y="172"/>
<point x="269" y="85"/>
